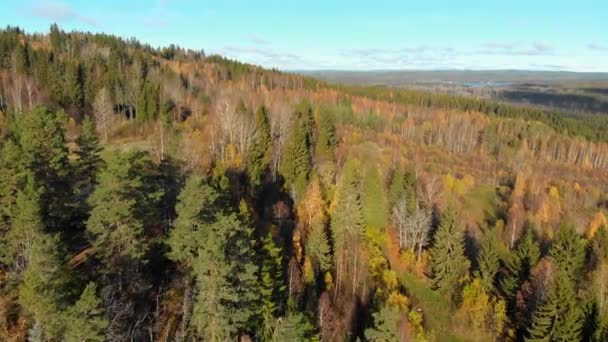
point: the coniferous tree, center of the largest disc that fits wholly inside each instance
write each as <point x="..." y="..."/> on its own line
<point x="295" y="163"/>
<point x="89" y="156"/>
<point x="385" y="326"/>
<point x="519" y="265"/>
<point x="195" y="212"/>
<point x="12" y="174"/>
<point x="347" y="225"/>
<point x="26" y="226"/>
<point x="259" y="154"/>
<point x="317" y="246"/>
<point x="488" y="261"/>
<point x="568" y="249"/>
<point x="42" y="293"/>
<point x="558" y="318"/>
<point x="85" y="319"/>
<point x="449" y="264"/>
<point x="326" y="139"/>
<point x="115" y="227"/>
<point x="226" y="273"/>
<point x="272" y="285"/>
<point x="293" y="327"/>
<point x="56" y="37"/>
<point x="75" y="87"/>
<point x="41" y="139"/>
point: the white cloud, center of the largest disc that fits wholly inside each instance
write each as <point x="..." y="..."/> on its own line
<point x="58" y="12"/>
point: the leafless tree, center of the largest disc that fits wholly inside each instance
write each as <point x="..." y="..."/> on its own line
<point x="103" y="112"/>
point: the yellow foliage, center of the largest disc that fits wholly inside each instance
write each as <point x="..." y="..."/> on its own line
<point x="599" y="219"/>
<point x="554" y="193"/>
<point x="422" y="264"/>
<point x="389" y="278"/>
<point x="377" y="265"/>
<point x="449" y="183"/>
<point x="309" y="273"/>
<point x="577" y="187"/>
<point x="398" y="301"/>
<point x="409" y="259"/>
<point x="329" y="281"/>
<point x="543" y="214"/>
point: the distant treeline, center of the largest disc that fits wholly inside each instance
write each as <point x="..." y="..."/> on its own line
<point x="589" y="126"/>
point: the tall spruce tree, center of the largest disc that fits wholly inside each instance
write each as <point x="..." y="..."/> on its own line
<point x="385" y="326"/>
<point x="85" y="319"/>
<point x="519" y="265"/>
<point x="89" y="156"/>
<point x="293" y="327"/>
<point x="272" y="287"/>
<point x="488" y="261"/>
<point x="260" y="153"/>
<point x="347" y="225"/>
<point x="227" y="299"/>
<point x="327" y="137"/>
<point x="195" y="210"/>
<point x="115" y="227"/>
<point x="42" y="292"/>
<point x="40" y="135"/>
<point x="295" y="163"/>
<point x="449" y="264"/>
<point x="568" y="249"/>
<point x="559" y="317"/>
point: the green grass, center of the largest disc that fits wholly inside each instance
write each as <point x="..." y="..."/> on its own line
<point x="480" y="204"/>
<point x="437" y="311"/>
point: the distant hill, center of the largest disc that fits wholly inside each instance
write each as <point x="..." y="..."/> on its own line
<point x="459" y="77"/>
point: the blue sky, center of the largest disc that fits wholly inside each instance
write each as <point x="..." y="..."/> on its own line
<point x="359" y="35"/>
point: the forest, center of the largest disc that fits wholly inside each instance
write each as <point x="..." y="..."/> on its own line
<point x="162" y="194"/>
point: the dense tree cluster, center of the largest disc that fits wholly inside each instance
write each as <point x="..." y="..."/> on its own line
<point x="302" y="226"/>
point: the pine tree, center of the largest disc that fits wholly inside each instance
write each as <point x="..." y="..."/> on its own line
<point x="327" y="137"/>
<point x="85" y="319"/>
<point x="385" y="326"/>
<point x="75" y="85"/>
<point x="375" y="208"/>
<point x="42" y="292"/>
<point x="89" y="156"/>
<point x="295" y="163"/>
<point x="522" y="260"/>
<point x="56" y="37"/>
<point x="115" y="227"/>
<point x="12" y="173"/>
<point x="558" y="318"/>
<point x="40" y="135"/>
<point x="259" y="154"/>
<point x="195" y="212"/>
<point x="293" y="327"/>
<point x="227" y="299"/>
<point x="211" y="314"/>
<point x="317" y="246"/>
<point x="26" y="225"/>
<point x="449" y="264"/>
<point x="568" y="249"/>
<point x="488" y="261"/>
<point x="272" y="285"/>
<point x="347" y="225"/>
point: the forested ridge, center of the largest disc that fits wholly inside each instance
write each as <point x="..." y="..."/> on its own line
<point x="160" y="194"/>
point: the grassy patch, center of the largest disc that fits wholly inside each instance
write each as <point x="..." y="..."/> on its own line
<point x="437" y="311"/>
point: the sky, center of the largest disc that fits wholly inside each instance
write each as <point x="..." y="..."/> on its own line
<point x="349" y="35"/>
